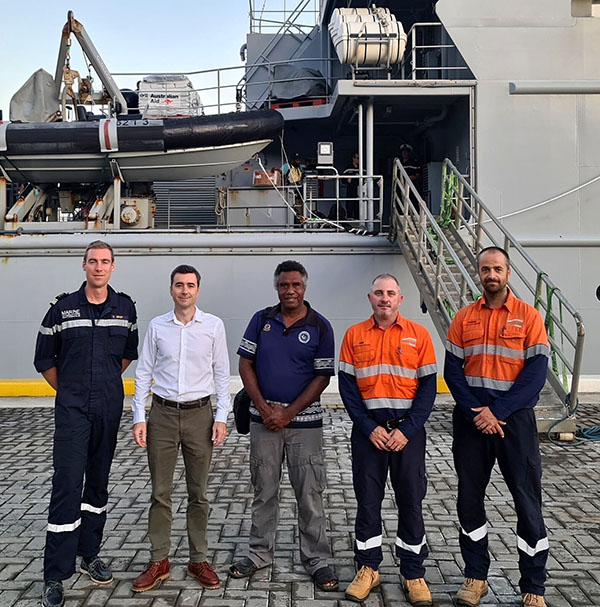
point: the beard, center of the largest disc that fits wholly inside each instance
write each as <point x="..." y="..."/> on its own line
<point x="492" y="286"/>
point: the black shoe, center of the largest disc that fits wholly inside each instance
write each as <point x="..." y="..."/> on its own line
<point x="96" y="569"/>
<point x="53" y="594"/>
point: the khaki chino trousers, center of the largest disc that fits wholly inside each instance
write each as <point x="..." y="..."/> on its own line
<point x="167" y="429"/>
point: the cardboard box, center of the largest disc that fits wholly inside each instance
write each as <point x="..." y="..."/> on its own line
<point x="164" y="95"/>
<point x="261" y="179"/>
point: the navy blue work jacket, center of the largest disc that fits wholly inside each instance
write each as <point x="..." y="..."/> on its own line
<point x="87" y="346"/>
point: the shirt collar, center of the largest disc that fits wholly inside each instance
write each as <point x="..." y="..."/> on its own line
<point x="509" y="304"/>
<point x="399" y="321"/>
<point x="111" y="299"/>
<point x="198" y="317"/>
<point x="309" y="319"/>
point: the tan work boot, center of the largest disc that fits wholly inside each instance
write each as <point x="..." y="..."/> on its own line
<point x="364" y="581"/>
<point x="417" y="592"/>
<point x="471" y="592"/>
<point x="533" y="600"/>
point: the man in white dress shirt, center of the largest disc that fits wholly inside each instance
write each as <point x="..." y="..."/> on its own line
<point x="184" y="351"/>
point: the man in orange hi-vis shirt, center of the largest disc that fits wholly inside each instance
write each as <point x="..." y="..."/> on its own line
<point x="387" y="381"/>
<point x="496" y="364"/>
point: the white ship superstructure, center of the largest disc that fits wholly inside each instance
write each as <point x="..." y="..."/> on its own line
<point x="499" y="103"/>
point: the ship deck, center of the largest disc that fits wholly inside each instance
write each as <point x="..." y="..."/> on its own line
<point x="571" y="496"/>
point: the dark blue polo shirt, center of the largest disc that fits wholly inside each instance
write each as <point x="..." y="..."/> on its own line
<point x="287" y="359"/>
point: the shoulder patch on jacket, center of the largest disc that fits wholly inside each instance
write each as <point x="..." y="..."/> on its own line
<point x="58" y="298"/>
<point x="125" y="295"/>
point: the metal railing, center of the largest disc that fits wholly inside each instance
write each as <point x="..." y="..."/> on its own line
<point x="307" y="206"/>
<point x="432" y="55"/>
<point x="225" y="89"/>
<point x="268" y="20"/>
<point x="263" y="89"/>
<point x="287" y="27"/>
<point x="444" y="282"/>
<point x="366" y="212"/>
<point x="475" y="227"/>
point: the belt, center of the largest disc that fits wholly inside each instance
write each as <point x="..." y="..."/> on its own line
<point x="391" y="424"/>
<point x="190" y="404"/>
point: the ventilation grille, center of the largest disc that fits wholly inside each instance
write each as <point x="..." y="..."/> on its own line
<point x="181" y="204"/>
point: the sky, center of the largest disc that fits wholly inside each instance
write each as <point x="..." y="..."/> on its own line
<point x="130" y="35"/>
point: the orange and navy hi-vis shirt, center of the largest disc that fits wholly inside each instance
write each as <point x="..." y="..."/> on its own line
<point x="496" y="357"/>
<point x="388" y="374"/>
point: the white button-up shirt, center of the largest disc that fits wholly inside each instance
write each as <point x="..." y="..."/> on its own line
<point x="183" y="361"/>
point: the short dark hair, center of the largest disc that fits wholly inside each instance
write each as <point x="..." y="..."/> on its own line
<point x="391" y="276"/>
<point x="290" y="266"/>
<point x="98" y="244"/>
<point x="497" y="250"/>
<point x="185" y="269"/>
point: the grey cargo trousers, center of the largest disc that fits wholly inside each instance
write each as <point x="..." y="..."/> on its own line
<point x="303" y="450"/>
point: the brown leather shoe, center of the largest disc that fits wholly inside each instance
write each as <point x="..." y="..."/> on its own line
<point x="205" y="573"/>
<point x="153" y="574"/>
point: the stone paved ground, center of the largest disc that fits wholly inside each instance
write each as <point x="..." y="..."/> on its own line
<point x="571" y="501"/>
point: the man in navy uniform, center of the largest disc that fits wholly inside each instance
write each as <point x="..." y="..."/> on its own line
<point x="86" y="340"/>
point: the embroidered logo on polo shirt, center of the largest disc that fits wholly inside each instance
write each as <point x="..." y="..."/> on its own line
<point x="71" y="313"/>
<point x="267" y="327"/>
<point x="304" y="337"/>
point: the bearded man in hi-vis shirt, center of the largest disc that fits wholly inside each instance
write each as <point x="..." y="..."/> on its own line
<point x="496" y="365"/>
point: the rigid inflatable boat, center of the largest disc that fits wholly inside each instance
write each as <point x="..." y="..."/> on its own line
<point x="166" y="149"/>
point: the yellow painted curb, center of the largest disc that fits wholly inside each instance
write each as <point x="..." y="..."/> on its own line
<point x="39" y="387"/>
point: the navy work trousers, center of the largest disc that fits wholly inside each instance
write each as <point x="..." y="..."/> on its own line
<point x="406" y="468"/>
<point x="518" y="456"/>
<point x="78" y="510"/>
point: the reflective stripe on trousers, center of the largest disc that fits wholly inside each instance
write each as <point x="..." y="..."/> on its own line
<point x="77" y="510"/>
<point x="518" y="457"/>
<point x="406" y="468"/>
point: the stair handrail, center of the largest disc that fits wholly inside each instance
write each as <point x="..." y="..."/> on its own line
<point x="433" y="252"/>
<point x="467" y="213"/>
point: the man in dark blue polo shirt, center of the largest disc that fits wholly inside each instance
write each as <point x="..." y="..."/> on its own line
<point x="286" y="361"/>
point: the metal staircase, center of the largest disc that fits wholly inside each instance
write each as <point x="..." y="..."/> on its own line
<point x="441" y="255"/>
